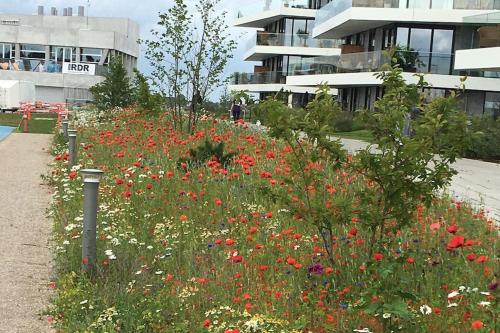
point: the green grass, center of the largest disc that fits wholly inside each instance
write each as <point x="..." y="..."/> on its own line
<point x="40" y="123"/>
<point x="10" y="119"/>
<point x="363" y="135"/>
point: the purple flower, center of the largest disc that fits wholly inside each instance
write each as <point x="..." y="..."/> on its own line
<point x="316" y="269"/>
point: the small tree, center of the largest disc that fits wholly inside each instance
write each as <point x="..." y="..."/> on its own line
<point x="308" y="133"/>
<point x="143" y="96"/>
<point x="189" y="59"/>
<point x="212" y="52"/>
<point x="167" y="53"/>
<point x="115" y="90"/>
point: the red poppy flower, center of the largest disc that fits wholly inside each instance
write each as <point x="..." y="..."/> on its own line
<point x="237" y="259"/>
<point x="234" y="330"/>
<point x="452" y="229"/>
<point x="72" y="175"/>
<point x="477" y="324"/>
<point x="471" y="257"/>
<point x="481" y="259"/>
<point x="435" y="226"/>
<point x="410" y="260"/>
<point x="229" y="242"/>
<point x="378" y="256"/>
<point x="455" y="242"/>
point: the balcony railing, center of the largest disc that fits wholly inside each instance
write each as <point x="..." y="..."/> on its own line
<point x="297" y="40"/>
<point x="409" y="61"/>
<point x="40" y="66"/>
<point x="267" y="5"/>
<point x="338" y="6"/>
<point x="258" y="78"/>
<point x="484" y="18"/>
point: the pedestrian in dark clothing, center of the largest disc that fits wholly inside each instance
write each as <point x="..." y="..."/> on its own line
<point x="236" y="110"/>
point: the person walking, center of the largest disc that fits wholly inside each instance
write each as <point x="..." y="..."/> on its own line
<point x="236" y="110"/>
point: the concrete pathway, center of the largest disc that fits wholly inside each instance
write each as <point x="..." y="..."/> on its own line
<point x="477" y="182"/>
<point x="25" y="257"/>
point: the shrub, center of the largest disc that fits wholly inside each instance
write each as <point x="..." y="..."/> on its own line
<point x="205" y="152"/>
<point x="115" y="90"/>
<point x="485" y="144"/>
<point x="344" y="123"/>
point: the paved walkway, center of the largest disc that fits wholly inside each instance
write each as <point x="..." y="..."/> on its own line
<point x="25" y="258"/>
<point x="477" y="182"/>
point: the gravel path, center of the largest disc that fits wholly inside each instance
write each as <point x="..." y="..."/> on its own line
<point x="25" y="260"/>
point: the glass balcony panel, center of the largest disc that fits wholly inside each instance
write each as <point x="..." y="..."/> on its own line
<point x="267" y="5"/>
<point x="336" y="7"/>
<point x="296" y="40"/>
<point x="258" y="78"/>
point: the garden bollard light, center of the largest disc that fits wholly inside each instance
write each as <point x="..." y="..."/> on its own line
<point x="25" y="124"/>
<point x="91" y="179"/>
<point x="72" y="147"/>
<point x="65" y="124"/>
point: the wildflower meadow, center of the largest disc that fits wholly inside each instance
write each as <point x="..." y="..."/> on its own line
<point x="229" y="229"/>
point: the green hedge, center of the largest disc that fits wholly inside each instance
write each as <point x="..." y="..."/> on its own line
<point x="485" y="144"/>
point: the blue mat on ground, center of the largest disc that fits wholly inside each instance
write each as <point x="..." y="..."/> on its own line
<point x="5" y="131"/>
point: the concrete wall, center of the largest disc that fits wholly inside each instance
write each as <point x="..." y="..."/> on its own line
<point x="49" y="94"/>
<point x="105" y="33"/>
<point x="53" y="79"/>
<point x="56" y="87"/>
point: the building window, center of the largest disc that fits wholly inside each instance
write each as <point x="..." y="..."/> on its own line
<point x="402" y="37"/>
<point x="91" y="55"/>
<point x="6" y="51"/>
<point x="63" y="54"/>
<point x="32" y="51"/>
<point x="427" y="50"/>
<point x="442" y="49"/>
<point x="492" y="105"/>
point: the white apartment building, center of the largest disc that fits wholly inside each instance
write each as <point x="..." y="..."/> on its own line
<point x="432" y="36"/>
<point x="444" y="39"/>
<point x="282" y="42"/>
<point x="64" y="55"/>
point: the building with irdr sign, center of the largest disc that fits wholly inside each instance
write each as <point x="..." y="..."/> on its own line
<point x="64" y="55"/>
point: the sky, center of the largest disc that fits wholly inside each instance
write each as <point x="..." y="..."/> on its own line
<point x="144" y="12"/>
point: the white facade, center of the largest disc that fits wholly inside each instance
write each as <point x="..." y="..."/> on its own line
<point x="445" y="40"/>
<point x="48" y="49"/>
<point x="358" y="19"/>
<point x="483" y="59"/>
<point x="283" y="43"/>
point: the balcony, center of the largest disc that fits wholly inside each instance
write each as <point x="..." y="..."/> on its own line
<point x="340" y="14"/>
<point x="39" y="66"/>
<point x="263" y="45"/>
<point x="482" y="59"/>
<point x="297" y="40"/>
<point x="258" y="78"/>
<point x="263" y="12"/>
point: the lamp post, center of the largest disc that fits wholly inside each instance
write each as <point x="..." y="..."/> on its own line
<point x="91" y="180"/>
<point x="65" y="124"/>
<point x="72" y="146"/>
